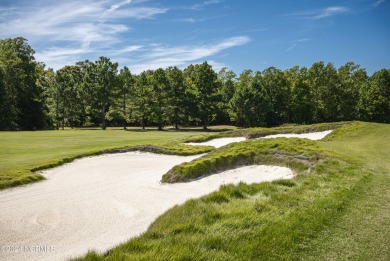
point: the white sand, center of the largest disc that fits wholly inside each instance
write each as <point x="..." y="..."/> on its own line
<point x="220" y="142"/>
<point x="99" y="202"/>
<point x="311" y="136"/>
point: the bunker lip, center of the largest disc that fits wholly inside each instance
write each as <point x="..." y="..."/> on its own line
<point x="102" y="201"/>
<point x="217" y="143"/>
<point x="220" y="142"/>
<point x="311" y="135"/>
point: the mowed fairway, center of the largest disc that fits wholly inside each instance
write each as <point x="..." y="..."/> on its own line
<point x="20" y="152"/>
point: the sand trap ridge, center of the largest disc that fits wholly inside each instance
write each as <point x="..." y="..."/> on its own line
<point x="219" y="142"/>
<point x="311" y="136"/>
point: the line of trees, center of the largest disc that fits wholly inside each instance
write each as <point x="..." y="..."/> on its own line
<point x="99" y="94"/>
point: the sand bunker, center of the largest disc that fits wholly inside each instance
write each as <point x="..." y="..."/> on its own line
<point x="99" y="202"/>
<point x="311" y="136"/>
<point x="225" y="141"/>
<point x="220" y="142"/>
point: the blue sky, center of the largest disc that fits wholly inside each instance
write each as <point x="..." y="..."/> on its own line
<point x="250" y="34"/>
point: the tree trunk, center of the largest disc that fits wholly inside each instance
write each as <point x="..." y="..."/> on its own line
<point x="176" y="120"/>
<point x="205" y="124"/>
<point x="104" y="117"/>
<point x="143" y="123"/>
<point x="57" y="114"/>
<point x="124" y="111"/>
<point x="160" y="120"/>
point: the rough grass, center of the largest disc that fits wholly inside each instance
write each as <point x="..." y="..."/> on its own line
<point x="308" y="218"/>
<point x="363" y="231"/>
<point x="22" y="153"/>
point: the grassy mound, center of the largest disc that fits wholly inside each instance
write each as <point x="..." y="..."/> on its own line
<point x="294" y="153"/>
<point x="285" y="152"/>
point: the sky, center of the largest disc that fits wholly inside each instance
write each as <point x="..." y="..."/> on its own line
<point x="238" y="34"/>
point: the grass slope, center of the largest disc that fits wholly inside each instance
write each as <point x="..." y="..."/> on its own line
<point x="363" y="232"/>
<point x="21" y="153"/>
<point x="335" y="206"/>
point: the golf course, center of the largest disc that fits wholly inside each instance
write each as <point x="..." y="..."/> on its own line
<point x="335" y="206"/>
<point x="194" y="130"/>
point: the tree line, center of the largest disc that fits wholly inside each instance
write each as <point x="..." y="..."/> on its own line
<point x="98" y="93"/>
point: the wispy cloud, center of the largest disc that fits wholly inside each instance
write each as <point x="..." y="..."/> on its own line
<point x="72" y="31"/>
<point x="116" y="6"/>
<point x="320" y="13"/>
<point x="378" y="3"/>
<point x="257" y="30"/>
<point x="164" y="56"/>
<point x="217" y="66"/>
<point x="200" y="6"/>
<point x="73" y="25"/>
<point x="197" y="20"/>
<point x="331" y="11"/>
<point x="188" y="20"/>
<point x="295" y="43"/>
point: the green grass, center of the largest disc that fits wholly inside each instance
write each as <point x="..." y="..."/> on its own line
<point x="336" y="208"/>
<point x="363" y="231"/>
<point x="21" y="153"/>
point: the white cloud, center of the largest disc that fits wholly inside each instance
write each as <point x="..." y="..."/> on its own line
<point x="126" y="50"/>
<point x="116" y="6"/>
<point x="188" y="20"/>
<point x="295" y="43"/>
<point x="319" y="14"/>
<point x="137" y="13"/>
<point x="378" y="3"/>
<point x="71" y="31"/>
<point x="217" y="66"/>
<point x="205" y="3"/>
<point x="74" y="25"/>
<point x="163" y="56"/>
<point x="57" y="57"/>
<point x="74" y="20"/>
<point x="331" y="11"/>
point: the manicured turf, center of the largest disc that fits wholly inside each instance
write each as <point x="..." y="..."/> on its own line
<point x="21" y="152"/>
<point x="337" y="208"/>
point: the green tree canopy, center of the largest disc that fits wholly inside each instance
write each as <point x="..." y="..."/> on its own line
<point x="22" y="96"/>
